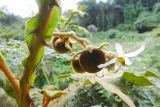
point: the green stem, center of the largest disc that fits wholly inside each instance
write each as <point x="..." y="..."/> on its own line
<point x="67" y="22"/>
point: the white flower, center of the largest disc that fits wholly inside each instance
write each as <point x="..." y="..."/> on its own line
<point x="122" y="57"/>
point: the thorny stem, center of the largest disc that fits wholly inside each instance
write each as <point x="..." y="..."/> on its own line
<point x="25" y="100"/>
<point x="84" y="42"/>
<point x="9" y="75"/>
<point x="37" y="46"/>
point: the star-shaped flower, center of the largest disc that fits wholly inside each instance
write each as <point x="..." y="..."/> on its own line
<point x="122" y="58"/>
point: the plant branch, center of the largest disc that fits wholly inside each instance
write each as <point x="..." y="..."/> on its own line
<point x="45" y="101"/>
<point x="84" y="42"/>
<point x="67" y="22"/>
<point x="9" y="75"/>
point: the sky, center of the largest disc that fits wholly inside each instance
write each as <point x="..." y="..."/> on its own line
<point x="27" y="8"/>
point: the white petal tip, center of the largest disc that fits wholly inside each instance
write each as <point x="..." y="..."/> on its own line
<point x="101" y="66"/>
<point x="137" y="52"/>
<point x="107" y="63"/>
<point x="119" y="49"/>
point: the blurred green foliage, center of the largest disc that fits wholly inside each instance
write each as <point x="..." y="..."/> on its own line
<point x="95" y="95"/>
<point x="11" y="32"/>
<point x="121" y="13"/>
<point x="54" y="68"/>
<point x="116" y="35"/>
<point x="147" y="21"/>
<point x="11" y="27"/>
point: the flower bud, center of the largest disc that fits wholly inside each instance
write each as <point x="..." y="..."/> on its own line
<point x="62" y="45"/>
<point x="76" y="64"/>
<point x="89" y="60"/>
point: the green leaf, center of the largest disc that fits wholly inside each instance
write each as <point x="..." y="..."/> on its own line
<point x="62" y="21"/>
<point x="80" y="29"/>
<point x="74" y="89"/>
<point x="35" y="23"/>
<point x="87" y="82"/>
<point x="78" y="12"/>
<point x="136" y="79"/>
<point x="40" y="27"/>
<point x="64" y="76"/>
<point x="113" y="89"/>
<point x="53" y="94"/>
<point x="55" y="14"/>
<point x="83" y="7"/>
<point x="32" y="39"/>
<point x="150" y="74"/>
<point x="31" y="25"/>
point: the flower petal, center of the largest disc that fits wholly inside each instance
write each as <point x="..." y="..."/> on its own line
<point x="57" y="42"/>
<point x="72" y="40"/>
<point x="68" y="46"/>
<point x="117" y="67"/>
<point x="127" y="61"/>
<point x="107" y="63"/>
<point x="137" y="52"/>
<point x="119" y="50"/>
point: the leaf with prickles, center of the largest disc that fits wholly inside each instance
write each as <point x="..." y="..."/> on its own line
<point x="113" y="89"/>
<point x="40" y="27"/>
<point x="74" y="89"/>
